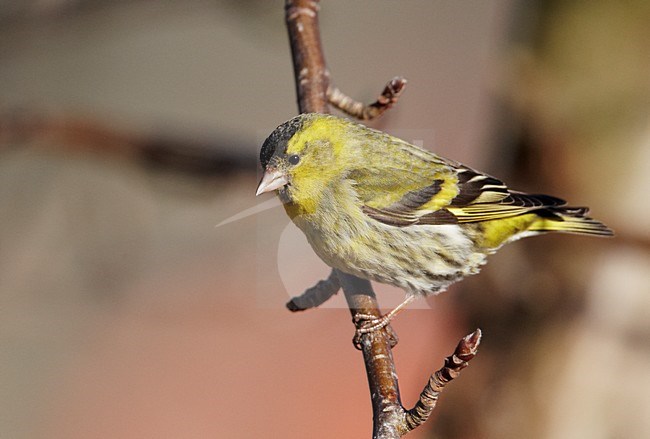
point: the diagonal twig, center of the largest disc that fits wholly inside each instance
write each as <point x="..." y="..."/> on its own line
<point x="459" y="360"/>
<point x="316" y="295"/>
<point x="388" y="97"/>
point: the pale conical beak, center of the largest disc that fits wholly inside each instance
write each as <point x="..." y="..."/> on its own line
<point x="271" y="181"/>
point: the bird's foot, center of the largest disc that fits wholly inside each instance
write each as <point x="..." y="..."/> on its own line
<point x="367" y="323"/>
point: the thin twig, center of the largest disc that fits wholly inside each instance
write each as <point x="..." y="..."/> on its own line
<point x="316" y="295"/>
<point x="459" y="360"/>
<point x="388" y="97"/>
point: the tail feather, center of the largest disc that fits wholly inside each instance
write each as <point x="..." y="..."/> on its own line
<point x="569" y="220"/>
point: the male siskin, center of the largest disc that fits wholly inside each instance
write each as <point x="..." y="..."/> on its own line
<point x="382" y="209"/>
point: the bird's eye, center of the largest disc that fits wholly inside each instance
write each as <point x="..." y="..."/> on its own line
<point x="294" y="159"/>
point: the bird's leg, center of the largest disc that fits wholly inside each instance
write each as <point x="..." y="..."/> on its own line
<point x="373" y="323"/>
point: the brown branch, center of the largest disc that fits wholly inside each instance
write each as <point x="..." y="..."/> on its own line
<point x="316" y="295"/>
<point x="310" y="71"/>
<point x="390" y="419"/>
<point x="387" y="411"/>
<point x="388" y="97"/>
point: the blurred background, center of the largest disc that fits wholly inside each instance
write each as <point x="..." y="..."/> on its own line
<point x="130" y="129"/>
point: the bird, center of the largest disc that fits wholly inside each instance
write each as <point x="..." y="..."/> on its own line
<point x="379" y="208"/>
